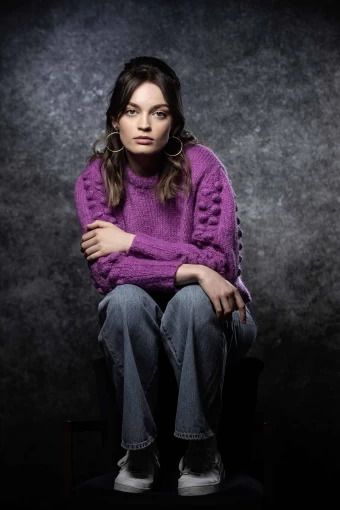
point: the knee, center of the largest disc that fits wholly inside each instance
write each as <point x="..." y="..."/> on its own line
<point x="122" y="299"/>
<point x="193" y="299"/>
<point x="119" y="309"/>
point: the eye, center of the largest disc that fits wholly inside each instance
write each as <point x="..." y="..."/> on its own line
<point x="128" y="112"/>
<point x="163" y="115"/>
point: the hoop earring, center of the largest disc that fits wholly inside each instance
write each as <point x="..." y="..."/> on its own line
<point x="113" y="133"/>
<point x="180" y="141"/>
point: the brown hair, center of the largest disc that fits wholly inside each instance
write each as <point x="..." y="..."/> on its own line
<point x="136" y="72"/>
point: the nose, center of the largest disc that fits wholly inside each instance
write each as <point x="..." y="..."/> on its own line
<point x="144" y="123"/>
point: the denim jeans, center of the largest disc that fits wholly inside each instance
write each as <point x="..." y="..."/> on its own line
<point x="134" y="322"/>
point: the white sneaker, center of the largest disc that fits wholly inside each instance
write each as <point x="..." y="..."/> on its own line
<point x="138" y="469"/>
<point x="202" y="470"/>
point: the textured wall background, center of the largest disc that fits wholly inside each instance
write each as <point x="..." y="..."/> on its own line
<point x="261" y="83"/>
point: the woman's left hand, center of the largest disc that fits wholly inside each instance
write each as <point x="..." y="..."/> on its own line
<point x="104" y="238"/>
<point x="224" y="296"/>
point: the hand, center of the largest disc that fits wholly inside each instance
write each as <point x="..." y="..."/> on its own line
<point x="224" y="296"/>
<point x="104" y="238"/>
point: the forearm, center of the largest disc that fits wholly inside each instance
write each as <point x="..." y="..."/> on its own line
<point x="188" y="273"/>
<point x="219" y="259"/>
<point x="120" y="269"/>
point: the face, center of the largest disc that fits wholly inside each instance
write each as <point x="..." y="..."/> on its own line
<point x="146" y="115"/>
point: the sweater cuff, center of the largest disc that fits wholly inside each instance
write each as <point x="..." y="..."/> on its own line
<point x="155" y="277"/>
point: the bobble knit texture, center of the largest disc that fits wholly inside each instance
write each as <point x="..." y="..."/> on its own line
<point x="200" y="229"/>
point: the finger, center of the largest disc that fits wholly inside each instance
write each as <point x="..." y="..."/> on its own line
<point x="218" y="307"/>
<point x="92" y="249"/>
<point x="90" y="242"/>
<point x="98" y="224"/>
<point x="87" y="245"/>
<point x="88" y="236"/>
<point x="94" y="256"/>
<point x="227" y="307"/>
<point x="232" y="302"/>
<point x="241" y="307"/>
<point x="92" y="225"/>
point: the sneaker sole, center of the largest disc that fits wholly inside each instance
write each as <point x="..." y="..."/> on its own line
<point x="129" y="488"/>
<point x="200" y="490"/>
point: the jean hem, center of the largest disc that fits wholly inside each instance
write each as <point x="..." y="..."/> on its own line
<point x="188" y="435"/>
<point x="137" y="446"/>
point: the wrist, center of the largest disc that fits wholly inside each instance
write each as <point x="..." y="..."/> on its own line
<point x="130" y="239"/>
<point x="201" y="271"/>
<point x="188" y="273"/>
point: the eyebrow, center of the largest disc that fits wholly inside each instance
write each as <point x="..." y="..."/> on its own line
<point x="155" y="106"/>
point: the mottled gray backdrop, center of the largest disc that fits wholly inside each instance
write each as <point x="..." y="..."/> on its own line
<point x="261" y="83"/>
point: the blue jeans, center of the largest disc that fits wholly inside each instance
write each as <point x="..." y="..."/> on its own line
<point x="197" y="343"/>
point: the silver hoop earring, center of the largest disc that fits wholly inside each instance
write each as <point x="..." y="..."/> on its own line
<point x="113" y="133"/>
<point x="180" y="141"/>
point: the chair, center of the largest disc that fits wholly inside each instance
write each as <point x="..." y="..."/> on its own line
<point x="244" y="440"/>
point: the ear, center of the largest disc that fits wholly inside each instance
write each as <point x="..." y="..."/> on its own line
<point x="114" y="122"/>
<point x="173" y="130"/>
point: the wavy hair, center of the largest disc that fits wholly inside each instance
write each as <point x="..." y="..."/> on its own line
<point x="175" y="169"/>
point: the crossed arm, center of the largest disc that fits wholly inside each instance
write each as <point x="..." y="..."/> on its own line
<point x="104" y="238"/>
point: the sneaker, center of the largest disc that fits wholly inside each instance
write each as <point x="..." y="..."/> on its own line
<point x="138" y="470"/>
<point x="202" y="470"/>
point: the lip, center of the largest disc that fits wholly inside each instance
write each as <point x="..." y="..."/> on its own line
<point x="143" y="138"/>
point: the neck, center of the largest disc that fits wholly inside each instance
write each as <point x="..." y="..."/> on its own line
<point x="145" y="165"/>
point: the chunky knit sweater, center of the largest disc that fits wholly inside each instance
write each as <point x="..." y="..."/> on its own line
<point x="202" y="228"/>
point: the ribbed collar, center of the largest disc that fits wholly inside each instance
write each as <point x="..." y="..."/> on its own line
<point x="140" y="182"/>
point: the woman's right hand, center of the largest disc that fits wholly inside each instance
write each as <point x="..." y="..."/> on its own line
<point x="224" y="296"/>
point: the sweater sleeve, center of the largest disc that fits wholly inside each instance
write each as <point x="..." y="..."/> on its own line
<point x="117" y="268"/>
<point x="216" y="235"/>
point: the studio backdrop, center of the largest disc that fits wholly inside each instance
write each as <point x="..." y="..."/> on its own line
<point x="260" y="84"/>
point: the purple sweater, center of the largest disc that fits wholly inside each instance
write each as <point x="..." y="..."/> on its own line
<point x="200" y="229"/>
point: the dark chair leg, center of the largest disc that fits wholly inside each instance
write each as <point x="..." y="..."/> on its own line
<point x="268" y="430"/>
<point x="69" y="428"/>
<point x="68" y="459"/>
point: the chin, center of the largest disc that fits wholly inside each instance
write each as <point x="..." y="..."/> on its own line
<point x="144" y="149"/>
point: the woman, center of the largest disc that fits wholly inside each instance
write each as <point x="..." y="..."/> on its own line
<point x="162" y="237"/>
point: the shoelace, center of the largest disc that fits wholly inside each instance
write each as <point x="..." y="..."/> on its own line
<point x="199" y="461"/>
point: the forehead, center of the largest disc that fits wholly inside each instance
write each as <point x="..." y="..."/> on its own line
<point x="147" y="94"/>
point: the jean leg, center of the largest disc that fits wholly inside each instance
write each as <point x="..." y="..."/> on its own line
<point x="197" y="349"/>
<point x="240" y="337"/>
<point x="197" y="344"/>
<point x="129" y="337"/>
